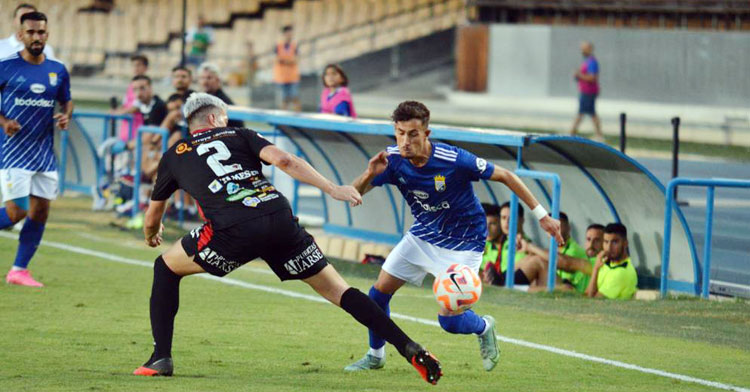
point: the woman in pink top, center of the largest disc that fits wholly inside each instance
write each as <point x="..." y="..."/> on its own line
<point x="140" y="67"/>
<point x="335" y="98"/>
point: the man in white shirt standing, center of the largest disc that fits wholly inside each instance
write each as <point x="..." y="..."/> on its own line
<point x="11" y="45"/>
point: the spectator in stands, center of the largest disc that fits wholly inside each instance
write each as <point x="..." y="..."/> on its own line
<point x="200" y="39"/>
<point x="11" y="44"/>
<point x="174" y="121"/>
<point x="209" y="78"/>
<point x="286" y="70"/>
<point x="335" y="98"/>
<point x="182" y="78"/>
<point x="614" y="275"/>
<point x="587" y="76"/>
<point x="140" y="68"/>
<point x="574" y="263"/>
<point x="527" y="270"/>
<point x="150" y="106"/>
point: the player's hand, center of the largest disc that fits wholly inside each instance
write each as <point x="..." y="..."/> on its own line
<point x="522" y="245"/>
<point x="552" y="227"/>
<point x="62" y="120"/>
<point x="11" y="127"/>
<point x="378" y="163"/>
<point x="155" y="239"/>
<point x="346" y="193"/>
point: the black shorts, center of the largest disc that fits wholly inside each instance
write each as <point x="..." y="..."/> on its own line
<point x="498" y="279"/>
<point x="277" y="238"/>
<point x="587" y="104"/>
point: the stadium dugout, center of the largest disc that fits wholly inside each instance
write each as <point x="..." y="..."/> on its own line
<point x="599" y="183"/>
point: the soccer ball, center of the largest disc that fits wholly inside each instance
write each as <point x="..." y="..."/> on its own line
<point x="457" y="288"/>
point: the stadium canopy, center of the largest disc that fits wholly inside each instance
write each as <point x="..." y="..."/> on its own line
<point x="599" y="183"/>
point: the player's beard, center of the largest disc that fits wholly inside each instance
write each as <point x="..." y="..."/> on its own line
<point x="36" y="50"/>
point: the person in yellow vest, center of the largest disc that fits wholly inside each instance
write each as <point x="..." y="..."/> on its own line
<point x="286" y="71"/>
<point x="614" y="275"/>
<point x="574" y="262"/>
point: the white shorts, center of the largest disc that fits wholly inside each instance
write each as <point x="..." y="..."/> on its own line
<point x="17" y="183"/>
<point x="412" y="259"/>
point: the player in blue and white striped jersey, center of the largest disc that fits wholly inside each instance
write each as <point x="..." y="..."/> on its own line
<point x="449" y="223"/>
<point x="30" y="84"/>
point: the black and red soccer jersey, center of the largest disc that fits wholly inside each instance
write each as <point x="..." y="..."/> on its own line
<point x="222" y="170"/>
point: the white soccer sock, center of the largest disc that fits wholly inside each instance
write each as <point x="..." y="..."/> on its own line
<point x="486" y="326"/>
<point x="14" y="268"/>
<point x="377" y="352"/>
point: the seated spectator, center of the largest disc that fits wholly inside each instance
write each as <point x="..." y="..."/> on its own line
<point x="614" y="275"/>
<point x="209" y="78"/>
<point x="574" y="263"/>
<point x="175" y="121"/>
<point x="182" y="78"/>
<point x="140" y="68"/>
<point x="527" y="270"/>
<point x="335" y="98"/>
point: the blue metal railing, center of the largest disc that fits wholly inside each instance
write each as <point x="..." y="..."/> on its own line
<point x="513" y="227"/>
<point x="701" y="281"/>
<point x="138" y="157"/>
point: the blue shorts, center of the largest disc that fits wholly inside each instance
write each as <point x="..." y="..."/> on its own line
<point x="586" y="104"/>
<point x="288" y="91"/>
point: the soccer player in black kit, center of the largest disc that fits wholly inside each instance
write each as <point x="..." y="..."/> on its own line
<point x="246" y="217"/>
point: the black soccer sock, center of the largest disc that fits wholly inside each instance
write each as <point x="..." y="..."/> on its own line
<point x="369" y="314"/>
<point x="165" y="299"/>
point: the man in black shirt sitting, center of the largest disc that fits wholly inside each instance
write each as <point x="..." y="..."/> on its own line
<point x="209" y="78"/>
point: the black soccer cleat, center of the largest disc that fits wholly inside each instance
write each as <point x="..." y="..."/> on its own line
<point x="426" y="364"/>
<point x="158" y="367"/>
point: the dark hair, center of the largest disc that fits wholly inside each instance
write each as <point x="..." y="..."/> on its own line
<point x="182" y="68"/>
<point x="411" y="110"/>
<point x="616" y="228"/>
<point x="344" y="82"/>
<point x="595" y="226"/>
<point x="507" y="205"/>
<point x="491" y="209"/>
<point x="23" y="5"/>
<point x="564" y="217"/>
<point x="38" y="16"/>
<point x="287" y="28"/>
<point x="140" y="57"/>
<point x="141" y="77"/>
<point x="176" y="97"/>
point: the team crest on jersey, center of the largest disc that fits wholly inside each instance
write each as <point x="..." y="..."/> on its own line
<point x="53" y="78"/>
<point x="439" y="183"/>
<point x="183" y="148"/>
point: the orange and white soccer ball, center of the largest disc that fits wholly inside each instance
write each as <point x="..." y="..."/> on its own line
<point x="457" y="288"/>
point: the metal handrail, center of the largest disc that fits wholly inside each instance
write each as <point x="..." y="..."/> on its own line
<point x="513" y="227"/>
<point x="710" y="184"/>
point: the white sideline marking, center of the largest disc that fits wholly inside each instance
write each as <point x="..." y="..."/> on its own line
<point x="288" y="293"/>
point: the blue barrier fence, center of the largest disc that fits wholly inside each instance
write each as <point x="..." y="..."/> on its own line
<point x="513" y="227"/>
<point x="702" y="276"/>
<point x="144" y="130"/>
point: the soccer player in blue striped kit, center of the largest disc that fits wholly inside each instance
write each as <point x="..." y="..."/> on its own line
<point x="449" y="223"/>
<point x="30" y="84"/>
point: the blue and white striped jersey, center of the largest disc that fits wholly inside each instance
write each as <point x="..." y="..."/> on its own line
<point x="446" y="211"/>
<point x="29" y="93"/>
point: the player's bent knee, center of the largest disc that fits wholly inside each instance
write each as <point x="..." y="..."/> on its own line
<point x="16" y="213"/>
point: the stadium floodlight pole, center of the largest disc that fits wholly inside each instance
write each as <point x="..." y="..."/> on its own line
<point x="623" y="119"/>
<point x="184" y="31"/>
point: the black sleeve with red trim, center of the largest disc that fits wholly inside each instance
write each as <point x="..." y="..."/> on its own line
<point x="166" y="184"/>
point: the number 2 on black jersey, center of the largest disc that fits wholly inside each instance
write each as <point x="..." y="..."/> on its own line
<point x="221" y="154"/>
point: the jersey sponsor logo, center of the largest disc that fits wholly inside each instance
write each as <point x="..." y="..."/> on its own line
<point x="214" y="259"/>
<point x="239" y="176"/>
<point x="251" y="201"/>
<point x="481" y="165"/>
<point x="241" y="194"/>
<point x="440" y="183"/>
<point x="268" y="197"/>
<point x="422" y="195"/>
<point x="44" y="103"/>
<point x="183" y="148"/>
<point x="37" y="88"/>
<point x="304" y="260"/>
<point x="53" y="78"/>
<point x="215" y="186"/>
<point x="233" y="188"/>
<point x="444" y="205"/>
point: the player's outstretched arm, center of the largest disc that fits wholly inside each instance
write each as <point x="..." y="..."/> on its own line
<point x="377" y="165"/>
<point x="302" y="171"/>
<point x="512" y="181"/>
<point x="152" y="226"/>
